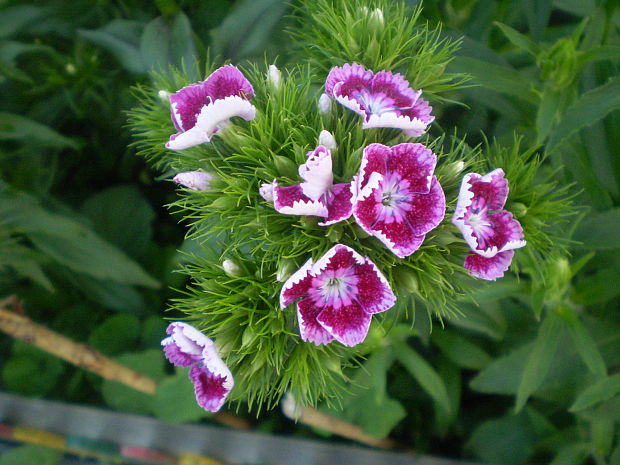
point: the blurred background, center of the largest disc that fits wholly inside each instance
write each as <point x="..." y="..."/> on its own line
<point x="89" y="250"/>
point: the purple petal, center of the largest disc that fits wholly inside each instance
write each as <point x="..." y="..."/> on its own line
<point x="339" y="204"/>
<point x="349" y="77"/>
<point x="374" y="292"/>
<point x="297" y="285"/>
<point x="309" y="328"/>
<point x="185" y="105"/>
<point x="187" y="338"/>
<point x="427" y="210"/>
<point x="175" y="356"/>
<point x="292" y="201"/>
<point x="394" y="87"/>
<point x="227" y="81"/>
<point x="339" y="256"/>
<point x="211" y="389"/>
<point x="347" y="324"/>
<point x="489" y="268"/>
<point x="415" y="163"/>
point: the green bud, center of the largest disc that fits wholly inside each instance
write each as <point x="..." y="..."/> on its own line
<point x="559" y="64"/>
<point x="518" y="209"/>
<point x="558" y="276"/>
<point x="285" y="166"/>
<point x="334" y="233"/>
<point x="248" y="336"/>
<point x="376" y="22"/>
<point x="309" y="222"/>
<point x="286" y="269"/>
<point x="232" y="269"/>
<point x="453" y="171"/>
<point x="223" y="203"/>
<point x="444" y="237"/>
<point x="406" y="279"/>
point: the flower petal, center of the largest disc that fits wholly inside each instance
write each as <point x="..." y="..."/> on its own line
<point x="415" y="163"/>
<point x="309" y="328"/>
<point x="317" y="173"/>
<point x="427" y="210"/>
<point x="190" y="138"/>
<point x="176" y="356"/>
<point x="398" y="238"/>
<point x="395" y="87"/>
<point x="348" y="324"/>
<point x="413" y="127"/>
<point x="186" y="103"/>
<point x="211" y="389"/>
<point x="297" y="285"/>
<point x="489" y="268"/>
<point x="349" y="78"/>
<point x="339" y="204"/>
<point x="339" y="256"/>
<point x="194" y="180"/>
<point x="292" y="201"/>
<point x="227" y="81"/>
<point x="374" y="292"/>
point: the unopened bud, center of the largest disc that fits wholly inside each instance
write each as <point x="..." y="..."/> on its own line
<point x="518" y="209"/>
<point x="376" y="20"/>
<point x="231" y="268"/>
<point x="325" y="104"/>
<point x="70" y="69"/>
<point x="164" y="95"/>
<point x="194" y="180"/>
<point x="453" y="170"/>
<point x="274" y="77"/>
<point x="406" y="279"/>
<point x="327" y="140"/>
<point x="266" y="191"/>
<point x="285" y="271"/>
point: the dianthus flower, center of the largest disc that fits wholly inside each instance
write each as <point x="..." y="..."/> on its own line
<point x="491" y="232"/>
<point x="199" y="110"/>
<point x="397" y="199"/>
<point x="188" y="347"/>
<point x="317" y="195"/>
<point x="385" y="99"/>
<point x="340" y="293"/>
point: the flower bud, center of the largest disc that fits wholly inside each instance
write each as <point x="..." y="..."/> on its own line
<point x="518" y="209"/>
<point x="559" y="65"/>
<point x="406" y="279"/>
<point x="194" y="180"/>
<point x="327" y="140"/>
<point x="231" y="268"/>
<point x="286" y="269"/>
<point x="70" y="69"/>
<point x="274" y="77"/>
<point x="325" y="104"/>
<point x="164" y="95"/>
<point x="453" y="170"/>
<point x="376" y="20"/>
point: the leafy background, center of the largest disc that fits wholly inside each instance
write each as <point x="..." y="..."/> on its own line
<point x="529" y="374"/>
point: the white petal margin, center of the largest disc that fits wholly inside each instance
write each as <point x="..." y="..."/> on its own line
<point x="389" y="299"/>
<point x="213" y="363"/>
<point x="175" y="113"/>
<point x="300" y="207"/>
<point x="317" y="173"/>
<point x="412" y="127"/>
<point x="351" y="104"/>
<point x="188" y="339"/>
<point x="209" y="118"/>
<point x="464" y="201"/>
<point x="322" y="263"/>
<point x="294" y="279"/>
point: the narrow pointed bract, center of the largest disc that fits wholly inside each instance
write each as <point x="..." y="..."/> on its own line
<point x="397" y="198"/>
<point x="199" y="110"/>
<point x="339" y="294"/>
<point x="188" y="347"/>
<point x="490" y="231"/>
<point x="385" y="99"/>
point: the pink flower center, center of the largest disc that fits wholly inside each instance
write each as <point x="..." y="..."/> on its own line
<point x="375" y="103"/>
<point x="477" y="217"/>
<point x="335" y="288"/>
<point x="395" y="199"/>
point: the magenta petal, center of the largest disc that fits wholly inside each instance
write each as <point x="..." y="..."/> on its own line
<point x="292" y="201"/>
<point x="176" y="356"/>
<point x="505" y="234"/>
<point x="395" y="87"/>
<point x="309" y="328"/>
<point x="492" y="187"/>
<point x="347" y="324"/>
<point x="227" y="81"/>
<point x="186" y="103"/>
<point x="338" y="257"/>
<point x="339" y="204"/>
<point x="351" y="77"/>
<point x="374" y="292"/>
<point x="427" y="210"/>
<point x="398" y="238"/>
<point x="489" y="268"/>
<point x="415" y="163"/>
<point x="211" y="390"/>
<point x="421" y="110"/>
<point x="297" y="285"/>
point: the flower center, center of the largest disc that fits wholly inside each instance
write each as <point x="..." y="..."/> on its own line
<point x="395" y="199"/>
<point x="335" y="288"/>
<point x="478" y="219"/>
<point x="375" y="103"/>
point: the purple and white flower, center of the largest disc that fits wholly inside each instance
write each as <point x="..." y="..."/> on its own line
<point x="339" y="294"/>
<point x="385" y="99"/>
<point x="201" y="109"/>
<point x="317" y="195"/>
<point x="397" y="198"/>
<point x="490" y="231"/>
<point x="194" y="180"/>
<point x="188" y="347"/>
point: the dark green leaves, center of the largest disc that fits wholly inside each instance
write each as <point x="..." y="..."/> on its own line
<point x="601" y="391"/>
<point x="31" y="454"/>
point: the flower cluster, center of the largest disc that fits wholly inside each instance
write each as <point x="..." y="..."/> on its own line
<point x="394" y="197"/>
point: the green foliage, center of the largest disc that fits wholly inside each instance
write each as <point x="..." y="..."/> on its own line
<point x="29" y="454"/>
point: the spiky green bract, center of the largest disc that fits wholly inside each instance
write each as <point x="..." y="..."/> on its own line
<point x="381" y="35"/>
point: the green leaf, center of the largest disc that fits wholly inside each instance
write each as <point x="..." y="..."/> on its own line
<point x="602" y="432"/>
<point x="586" y="348"/>
<point x="521" y="41"/>
<point x="605" y="52"/>
<point x="460" y="350"/>
<point x="246" y="29"/>
<point x="18" y="128"/>
<point x="504" y="374"/>
<point x="163" y="44"/>
<point x="590" y="108"/>
<point x="485" y="319"/>
<point x="115" y="296"/>
<point x="537" y="13"/>
<point x="547" y="114"/>
<point x="508" y="440"/>
<point x="31" y="454"/>
<point x="122" y="216"/>
<point x="424" y="374"/>
<point x="595" y="288"/>
<point x="574" y="454"/>
<point x="600" y="230"/>
<point x="14" y="18"/>
<point x="539" y="360"/>
<point x="30" y="371"/>
<point x="175" y="400"/>
<point x="576" y="7"/>
<point x="601" y="391"/>
<point x="120" y="37"/>
<point x="149" y="363"/>
<point x="501" y="79"/>
<point x="117" y="334"/>
<point x="26" y="263"/>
